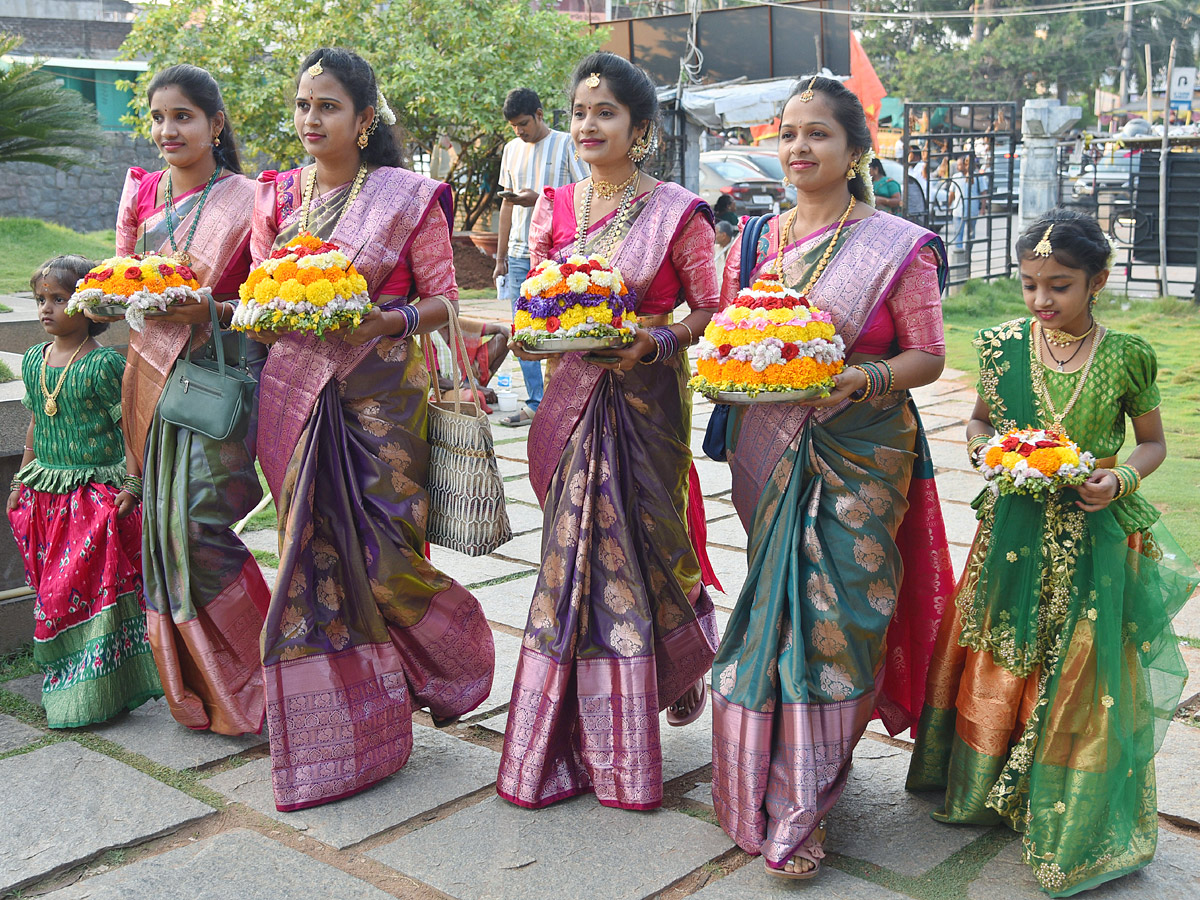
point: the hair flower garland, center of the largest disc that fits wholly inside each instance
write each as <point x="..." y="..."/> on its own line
<point x="863" y="168"/>
<point x="137" y="285"/>
<point x="306" y="285"/>
<point x="382" y="109"/>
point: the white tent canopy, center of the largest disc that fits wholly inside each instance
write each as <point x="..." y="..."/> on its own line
<point x="733" y="104"/>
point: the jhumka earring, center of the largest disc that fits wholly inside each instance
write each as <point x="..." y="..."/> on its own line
<point x="640" y="148"/>
<point x="1043" y="248"/>
<point x="852" y="171"/>
<point x="807" y="93"/>
<point x="577" y="153"/>
<point x="217" y="141"/>
<point x="316" y="69"/>
<point x="593" y="80"/>
<point x="363" y="139"/>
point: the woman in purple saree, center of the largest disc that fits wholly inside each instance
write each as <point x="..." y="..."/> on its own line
<point x="620" y="626"/>
<point x="361" y="627"/>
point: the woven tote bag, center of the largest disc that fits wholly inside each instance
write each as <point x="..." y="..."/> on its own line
<point x="466" y="494"/>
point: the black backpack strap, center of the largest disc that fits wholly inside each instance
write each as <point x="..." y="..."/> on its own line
<point x="750" y="236"/>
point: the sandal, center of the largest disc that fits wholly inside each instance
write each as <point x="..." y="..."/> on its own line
<point x="687" y="709"/>
<point x="519" y="419"/>
<point x="812" y="851"/>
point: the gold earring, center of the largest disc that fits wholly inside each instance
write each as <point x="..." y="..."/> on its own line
<point x="852" y="171"/>
<point x="363" y="138"/>
<point x="217" y="141"/>
<point x="577" y="153"/>
<point x="641" y="148"/>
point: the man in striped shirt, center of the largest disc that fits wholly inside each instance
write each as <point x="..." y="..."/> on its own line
<point x="537" y="157"/>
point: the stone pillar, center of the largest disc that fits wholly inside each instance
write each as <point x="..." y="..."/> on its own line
<point x="1043" y="122"/>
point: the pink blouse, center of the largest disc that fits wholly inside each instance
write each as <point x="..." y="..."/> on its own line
<point x="910" y="317"/>
<point x="687" y="273"/>
<point x="428" y="269"/>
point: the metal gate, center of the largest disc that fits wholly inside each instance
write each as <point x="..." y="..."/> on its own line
<point x="961" y="168"/>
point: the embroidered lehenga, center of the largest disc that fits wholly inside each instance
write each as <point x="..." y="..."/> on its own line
<point x="848" y="563"/>
<point x="620" y="625"/>
<point x="1057" y="670"/>
<point x="205" y="594"/>
<point x="362" y="628"/>
<point x="81" y="558"/>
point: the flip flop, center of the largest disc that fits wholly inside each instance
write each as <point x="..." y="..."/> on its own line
<point x="519" y="419"/>
<point x="811" y="850"/>
<point x="678" y="714"/>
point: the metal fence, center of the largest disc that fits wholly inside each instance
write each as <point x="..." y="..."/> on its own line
<point x="961" y="172"/>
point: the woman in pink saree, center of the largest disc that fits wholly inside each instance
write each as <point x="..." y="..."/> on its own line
<point x="205" y="595"/>
<point x="362" y="628"/>
<point x="620" y="626"/>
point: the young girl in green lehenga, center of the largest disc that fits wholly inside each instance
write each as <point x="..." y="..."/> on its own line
<point x="1057" y="672"/>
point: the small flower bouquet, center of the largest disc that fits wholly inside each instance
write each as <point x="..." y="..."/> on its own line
<point x="1034" y="461"/>
<point x="305" y="285"/>
<point x="582" y="304"/>
<point x="769" y="340"/>
<point x="136" y="287"/>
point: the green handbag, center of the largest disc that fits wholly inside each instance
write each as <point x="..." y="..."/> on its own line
<point x="208" y="397"/>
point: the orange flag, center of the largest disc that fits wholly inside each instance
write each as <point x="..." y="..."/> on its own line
<point x="866" y="86"/>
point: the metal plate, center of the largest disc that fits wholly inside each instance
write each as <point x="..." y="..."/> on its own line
<point x="550" y="346"/>
<point x="743" y="399"/>
<point x="116" y="309"/>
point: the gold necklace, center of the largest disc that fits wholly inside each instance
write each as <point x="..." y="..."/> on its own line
<point x="51" y="405"/>
<point x="824" y="261"/>
<point x="1037" y="375"/>
<point x="607" y="190"/>
<point x="612" y="231"/>
<point x="306" y="198"/>
<point x="1064" y="338"/>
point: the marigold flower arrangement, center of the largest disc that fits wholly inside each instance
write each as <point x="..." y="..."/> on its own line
<point x="768" y="340"/>
<point x="1034" y="461"/>
<point x="305" y="285"/>
<point x="584" y="297"/>
<point x="137" y="286"/>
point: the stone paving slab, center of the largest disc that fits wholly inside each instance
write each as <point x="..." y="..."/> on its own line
<point x="468" y="570"/>
<point x="751" y="882"/>
<point x="715" y="477"/>
<point x="728" y="531"/>
<point x="64" y="804"/>
<point x="508" y="603"/>
<point x="28" y="686"/>
<point x="701" y="793"/>
<point x="955" y="484"/>
<point x="960" y="522"/>
<point x="958" y="558"/>
<point x="1175" y="770"/>
<point x="511" y="467"/>
<point x="953" y="406"/>
<point x="441" y="769"/>
<point x="521" y="489"/>
<point x="1191" y="657"/>
<point x="236" y="865"/>
<point x="1172" y="875"/>
<point x="935" y="424"/>
<point x="950" y="453"/>
<point x="730" y="567"/>
<point x="497" y="851"/>
<point x="151" y="731"/>
<point x="525" y="549"/>
<point x="524" y="518"/>
<point x="14" y="734"/>
<point x="508" y="648"/>
<point x="878" y="821"/>
<point x="1187" y="622"/>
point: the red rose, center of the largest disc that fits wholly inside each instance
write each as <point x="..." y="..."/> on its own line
<point x="105" y="274"/>
<point x="1042" y="444"/>
<point x="790" y="352"/>
<point x="616" y="322"/>
<point x="185" y="272"/>
<point x="725" y="349"/>
<point x="280" y="253"/>
<point x="92" y="276"/>
<point x="165" y="271"/>
<point x="552" y="324"/>
<point x="568" y="269"/>
<point x="133" y="273"/>
<point x="1025" y="449"/>
<point x="1009" y="444"/>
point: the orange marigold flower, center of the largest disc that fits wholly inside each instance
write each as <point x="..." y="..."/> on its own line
<point x="308" y="275"/>
<point x="1046" y="460"/>
<point x="333" y="273"/>
<point x="285" y="271"/>
<point x="994" y="457"/>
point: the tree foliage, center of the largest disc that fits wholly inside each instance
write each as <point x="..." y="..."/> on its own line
<point x="40" y="120"/>
<point x="444" y="66"/>
<point x="1020" y="57"/>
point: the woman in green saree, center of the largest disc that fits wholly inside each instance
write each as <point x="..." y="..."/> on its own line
<point x="1057" y="670"/>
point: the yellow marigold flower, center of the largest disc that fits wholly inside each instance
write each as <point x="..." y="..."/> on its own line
<point x="292" y="291"/>
<point x="319" y="293"/>
<point x="358" y="284"/>
<point x="522" y="319"/>
<point x="602" y="314"/>
<point x="1010" y="459"/>
<point x="265" y="290"/>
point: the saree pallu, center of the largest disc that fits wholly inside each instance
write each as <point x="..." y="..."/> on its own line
<point x="1058" y="672"/>
<point x="849" y="570"/>
<point x="620" y="626"/>
<point x="361" y="623"/>
<point x="205" y="595"/>
<point x="90" y="642"/>
<point x="362" y="629"/>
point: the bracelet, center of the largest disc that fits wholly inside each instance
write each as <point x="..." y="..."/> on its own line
<point x="15" y="485"/>
<point x="132" y="484"/>
<point x="665" y="341"/>
<point x="412" y="319"/>
<point x="891" y="376"/>
<point x="29" y="449"/>
<point x="691" y="334"/>
<point x="877" y="383"/>
<point x="1129" y="480"/>
<point x="974" y="445"/>
<point x="221" y="314"/>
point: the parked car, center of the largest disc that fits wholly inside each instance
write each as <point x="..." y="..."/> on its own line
<point x="753" y="193"/>
<point x="1106" y="168"/>
<point x="1003" y="193"/>
<point x="766" y="161"/>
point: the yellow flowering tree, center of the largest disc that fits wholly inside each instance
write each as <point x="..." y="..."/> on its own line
<point x="444" y="65"/>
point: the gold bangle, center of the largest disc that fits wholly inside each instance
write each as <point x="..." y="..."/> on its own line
<point x="691" y="335"/>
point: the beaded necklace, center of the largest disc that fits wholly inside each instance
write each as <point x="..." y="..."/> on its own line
<point x="1037" y="375"/>
<point x="183" y="255"/>
<point x="306" y="198"/>
<point x="613" y="230"/>
<point x="824" y="260"/>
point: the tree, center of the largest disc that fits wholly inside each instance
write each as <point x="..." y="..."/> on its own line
<point x="40" y="120"/>
<point x="444" y="65"/>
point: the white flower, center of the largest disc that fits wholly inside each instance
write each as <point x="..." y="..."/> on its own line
<point x="577" y="282"/>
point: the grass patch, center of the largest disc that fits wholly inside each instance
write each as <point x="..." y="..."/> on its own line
<point x="6" y="373"/>
<point x="1169" y="325"/>
<point x="18" y="663"/>
<point x="266" y="558"/>
<point x="31" y="242"/>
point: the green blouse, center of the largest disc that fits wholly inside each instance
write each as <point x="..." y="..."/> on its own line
<point x="83" y="442"/>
